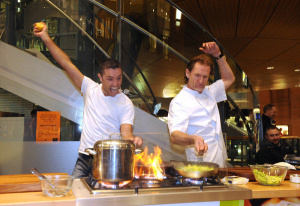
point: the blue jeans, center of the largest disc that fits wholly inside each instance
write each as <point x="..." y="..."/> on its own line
<point x="83" y="166"/>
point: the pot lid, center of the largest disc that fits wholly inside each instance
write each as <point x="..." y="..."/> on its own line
<point x="114" y="144"/>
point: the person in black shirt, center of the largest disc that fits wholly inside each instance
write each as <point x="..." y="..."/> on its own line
<point x="268" y="117"/>
<point x="273" y="148"/>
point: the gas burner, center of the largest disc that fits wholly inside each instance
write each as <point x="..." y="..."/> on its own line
<point x="95" y="184"/>
<point x="149" y="181"/>
<point x="205" y="181"/>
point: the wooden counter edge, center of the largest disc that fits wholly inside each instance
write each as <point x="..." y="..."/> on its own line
<point x="286" y="189"/>
<point x="30" y="198"/>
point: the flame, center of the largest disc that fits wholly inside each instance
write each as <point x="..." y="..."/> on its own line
<point x="152" y="162"/>
<point x="112" y="185"/>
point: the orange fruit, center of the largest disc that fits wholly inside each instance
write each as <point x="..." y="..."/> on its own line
<point x="39" y="26"/>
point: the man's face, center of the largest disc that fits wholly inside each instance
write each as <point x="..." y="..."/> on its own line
<point x="272" y="112"/>
<point x="111" y="81"/>
<point x="198" y="77"/>
<point x="273" y="135"/>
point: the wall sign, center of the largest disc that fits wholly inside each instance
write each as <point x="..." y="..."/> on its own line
<point x="48" y="126"/>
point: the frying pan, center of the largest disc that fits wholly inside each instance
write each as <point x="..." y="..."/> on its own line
<point x="197" y="174"/>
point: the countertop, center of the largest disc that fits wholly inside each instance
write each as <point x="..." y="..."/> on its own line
<point x="81" y="196"/>
<point x="36" y="198"/>
<point x="286" y="189"/>
<point x="25" y="189"/>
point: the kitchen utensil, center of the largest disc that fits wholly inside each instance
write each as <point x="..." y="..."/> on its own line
<point x="40" y="176"/>
<point x="54" y="185"/>
<point x="179" y="167"/>
<point x="269" y="175"/>
<point x="113" y="160"/>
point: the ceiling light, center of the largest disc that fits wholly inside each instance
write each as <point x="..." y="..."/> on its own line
<point x="297" y="70"/>
<point x="270" y="67"/>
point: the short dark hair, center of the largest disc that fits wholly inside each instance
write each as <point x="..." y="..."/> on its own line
<point x="202" y="59"/>
<point x="109" y="63"/>
<point x="269" y="128"/>
<point x="268" y="107"/>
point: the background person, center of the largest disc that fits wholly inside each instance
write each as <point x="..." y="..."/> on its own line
<point x="273" y="148"/>
<point x="268" y="117"/>
<point x="106" y="109"/>
<point x="194" y="117"/>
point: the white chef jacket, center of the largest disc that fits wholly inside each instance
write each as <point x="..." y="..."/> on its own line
<point x="194" y="113"/>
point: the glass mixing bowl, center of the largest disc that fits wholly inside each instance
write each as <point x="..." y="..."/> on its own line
<point x="268" y="174"/>
<point x="56" y="185"/>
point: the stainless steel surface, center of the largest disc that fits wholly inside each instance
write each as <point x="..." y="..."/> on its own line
<point x="113" y="160"/>
<point x="158" y="196"/>
<point x="197" y="174"/>
<point x="129" y="191"/>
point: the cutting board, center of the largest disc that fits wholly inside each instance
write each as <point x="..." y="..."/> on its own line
<point x="247" y="172"/>
<point x="21" y="183"/>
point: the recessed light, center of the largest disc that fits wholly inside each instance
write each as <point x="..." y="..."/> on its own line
<point x="297" y="70"/>
<point x="270" y="67"/>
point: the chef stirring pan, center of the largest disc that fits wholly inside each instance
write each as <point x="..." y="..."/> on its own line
<point x="180" y="167"/>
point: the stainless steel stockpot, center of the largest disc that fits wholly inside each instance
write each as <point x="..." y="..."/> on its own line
<point x="113" y="160"/>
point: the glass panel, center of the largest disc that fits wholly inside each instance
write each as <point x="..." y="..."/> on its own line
<point x="18" y="120"/>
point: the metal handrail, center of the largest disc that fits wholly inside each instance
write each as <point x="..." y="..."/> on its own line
<point x="102" y="50"/>
<point x="215" y="40"/>
<point x="130" y="56"/>
<point x="140" y="29"/>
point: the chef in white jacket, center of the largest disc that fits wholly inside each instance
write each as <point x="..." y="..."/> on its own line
<point x="194" y="119"/>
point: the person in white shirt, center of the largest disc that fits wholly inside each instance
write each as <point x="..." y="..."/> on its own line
<point x="194" y="119"/>
<point x="106" y="109"/>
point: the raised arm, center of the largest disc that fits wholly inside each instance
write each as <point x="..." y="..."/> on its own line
<point x="62" y="59"/>
<point x="226" y="74"/>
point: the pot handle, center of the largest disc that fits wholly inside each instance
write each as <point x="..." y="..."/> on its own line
<point x="115" y="135"/>
<point x="90" y="151"/>
<point x="138" y="150"/>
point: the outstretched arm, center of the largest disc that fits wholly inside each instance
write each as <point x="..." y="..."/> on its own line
<point x="226" y="74"/>
<point x="62" y="59"/>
